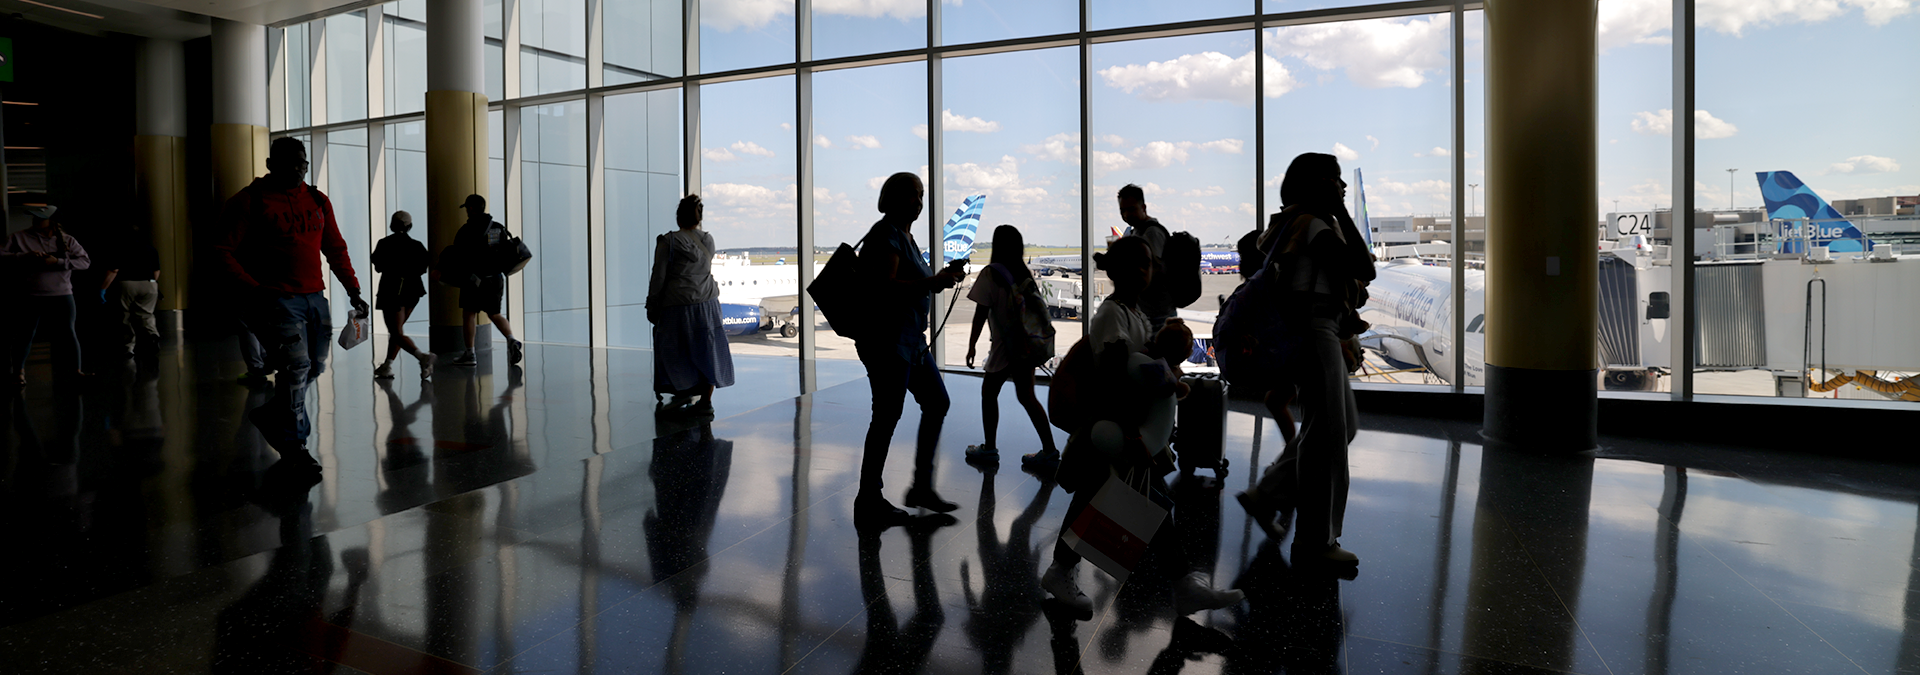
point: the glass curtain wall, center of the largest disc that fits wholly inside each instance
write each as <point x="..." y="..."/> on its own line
<point x="553" y="46"/>
<point x="346" y="64"/>
<point x="644" y="185"/>
<point x="736" y="35"/>
<point x="553" y="221"/>
<point x="405" y="39"/>
<point x="347" y="187"/>
<point x="643" y="41"/>
<point x="298" y="76"/>
<point x="406" y="190"/>
<point x="750" y="182"/>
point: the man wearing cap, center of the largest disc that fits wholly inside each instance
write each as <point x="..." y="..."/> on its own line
<point x="274" y="232"/>
<point x="40" y="261"/>
<point x="474" y="240"/>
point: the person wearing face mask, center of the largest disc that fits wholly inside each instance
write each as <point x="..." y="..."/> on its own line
<point x="1325" y="267"/>
<point x="41" y="260"/>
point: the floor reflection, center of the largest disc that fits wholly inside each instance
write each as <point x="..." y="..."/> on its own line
<point x="543" y="519"/>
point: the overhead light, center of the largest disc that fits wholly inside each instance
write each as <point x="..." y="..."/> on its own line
<point x="63" y="9"/>
<point x="18" y="103"/>
<point x="24" y="147"/>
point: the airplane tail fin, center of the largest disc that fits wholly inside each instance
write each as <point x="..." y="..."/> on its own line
<point x="1360" y="210"/>
<point x="1788" y="198"/>
<point x="962" y="228"/>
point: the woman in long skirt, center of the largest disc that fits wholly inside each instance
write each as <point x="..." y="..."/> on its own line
<point x="690" y="353"/>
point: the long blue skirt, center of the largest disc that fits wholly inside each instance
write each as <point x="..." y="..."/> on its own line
<point x="690" y="348"/>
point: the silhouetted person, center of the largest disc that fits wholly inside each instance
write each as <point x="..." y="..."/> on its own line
<point x="40" y="261"/>
<point x="135" y="279"/>
<point x="275" y="231"/>
<point x="401" y="261"/>
<point x="894" y="350"/>
<point x="475" y="242"/>
<point x="690" y="352"/>
<point x="406" y="483"/>
<point x="1325" y="266"/>
<point x="1009" y="356"/>
<point x="262" y="631"/>
<point x="891" y="647"/>
<point x="1133" y="209"/>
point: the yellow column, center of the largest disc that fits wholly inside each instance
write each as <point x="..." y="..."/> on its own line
<point x="1542" y="214"/>
<point x="159" y="173"/>
<point x="456" y="167"/>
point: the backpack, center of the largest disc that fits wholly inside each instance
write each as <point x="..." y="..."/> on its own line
<point x="1251" y="257"/>
<point x="1069" y="407"/>
<point x="1182" y="268"/>
<point x="1247" y="337"/>
<point x="1033" y="335"/>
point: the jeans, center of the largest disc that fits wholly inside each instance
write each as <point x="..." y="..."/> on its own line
<point x="892" y="378"/>
<point x="55" y="314"/>
<point x="294" y="332"/>
<point x="136" y="303"/>
<point x="1312" y="471"/>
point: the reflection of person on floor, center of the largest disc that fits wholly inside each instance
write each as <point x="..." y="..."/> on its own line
<point x="262" y="631"/>
<point x="403" y="489"/>
<point x="689" y="474"/>
<point x="45" y="468"/>
<point x="1009" y="599"/>
<point x="1293" y="622"/>
<point x="891" y="647"/>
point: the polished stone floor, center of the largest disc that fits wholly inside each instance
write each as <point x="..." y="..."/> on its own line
<point x="540" y="519"/>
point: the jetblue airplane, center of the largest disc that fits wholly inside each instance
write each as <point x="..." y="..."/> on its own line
<point x="1788" y="198"/>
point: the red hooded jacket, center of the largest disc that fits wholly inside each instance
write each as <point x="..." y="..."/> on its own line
<point x="273" y="239"/>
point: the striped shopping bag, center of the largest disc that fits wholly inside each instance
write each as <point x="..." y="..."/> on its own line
<point x="1114" y="529"/>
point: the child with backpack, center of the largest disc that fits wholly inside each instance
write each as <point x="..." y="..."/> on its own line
<point x="1022" y="339"/>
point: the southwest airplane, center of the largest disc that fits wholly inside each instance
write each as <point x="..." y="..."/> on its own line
<point x="744" y="286"/>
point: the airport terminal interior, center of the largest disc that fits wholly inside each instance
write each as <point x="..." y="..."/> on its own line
<point x="1617" y="412"/>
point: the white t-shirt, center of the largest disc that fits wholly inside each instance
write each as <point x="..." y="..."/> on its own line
<point x="1115" y="322"/>
<point x="990" y="290"/>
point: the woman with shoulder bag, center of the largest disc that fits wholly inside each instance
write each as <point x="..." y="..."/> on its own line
<point x="690" y="352"/>
<point x="1325" y="267"/>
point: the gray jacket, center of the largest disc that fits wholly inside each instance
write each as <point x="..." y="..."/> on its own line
<point x="682" y="270"/>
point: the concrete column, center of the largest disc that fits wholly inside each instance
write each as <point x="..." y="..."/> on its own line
<point x="160" y="165"/>
<point x="1542" y="272"/>
<point x="456" y="145"/>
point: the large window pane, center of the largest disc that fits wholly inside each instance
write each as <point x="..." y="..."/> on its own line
<point x="347" y="188"/>
<point x="553" y="221"/>
<point x="346" y="67"/>
<point x="869" y="123"/>
<point x="747" y="167"/>
<point x="850" y="27"/>
<point x="1125" y="13"/>
<point x="1284" y="6"/>
<point x="299" y="77"/>
<point x="407" y="191"/>
<point x="1011" y="136"/>
<point x="643" y="187"/>
<point x="642" y="40"/>
<point x="406" y="47"/>
<point x="1786" y="181"/>
<point x="1635" y="190"/>
<point x="984" y="20"/>
<point x="736" y="34"/>
<point x="1383" y="105"/>
<point x="495" y="49"/>
<point x="1175" y="116"/>
<point x="553" y="46"/>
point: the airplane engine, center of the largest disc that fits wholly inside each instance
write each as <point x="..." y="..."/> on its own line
<point x="739" y="319"/>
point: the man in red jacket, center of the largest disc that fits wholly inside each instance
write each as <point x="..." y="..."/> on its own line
<point x="274" y="233"/>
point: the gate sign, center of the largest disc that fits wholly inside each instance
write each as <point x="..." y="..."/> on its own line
<point x="1625" y="225"/>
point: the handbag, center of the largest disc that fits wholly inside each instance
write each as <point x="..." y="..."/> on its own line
<point x="511" y="254"/>
<point x="841" y="291"/>
<point x="1115" y="528"/>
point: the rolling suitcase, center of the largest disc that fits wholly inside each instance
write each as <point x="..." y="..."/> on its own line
<point x="1200" y="426"/>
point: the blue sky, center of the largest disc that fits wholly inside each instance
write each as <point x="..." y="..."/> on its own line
<point x="1815" y="88"/>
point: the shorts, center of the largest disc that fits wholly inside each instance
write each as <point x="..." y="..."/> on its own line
<point x="486" y="297"/>
<point x="386" y="302"/>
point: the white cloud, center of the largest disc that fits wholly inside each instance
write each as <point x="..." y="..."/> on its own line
<point x="717" y="155"/>
<point x="1866" y="164"/>
<point x="1211" y="76"/>
<point x="867" y="142"/>
<point x="1374" y="53"/>
<point x="786" y="127"/>
<point x="1613" y="141"/>
<point x="750" y="148"/>
<point x="952" y="122"/>
<point x="823" y="141"/>
<point x="730" y="15"/>
<point x="1432" y="188"/>
<point x="747" y="197"/>
<point x="1112" y="139"/>
<point x="875" y="182"/>
<point x="920" y="130"/>
<point x="1209" y="191"/>
<point x="1623" y="22"/>
<point x="1001" y="182"/>
<point x="1344" y="152"/>
<point x="1161" y="154"/>
<point x="1705" y="125"/>
<point x="1104" y="161"/>
<point x="870" y="9"/>
<point x="1061" y="147"/>
<point x="1375" y="141"/>
<point x="1231" y="146"/>
<point x="1437" y="151"/>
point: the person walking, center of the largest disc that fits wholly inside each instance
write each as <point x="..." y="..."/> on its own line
<point x="1008" y="356"/>
<point x="273" y="236"/>
<point x="136" y="291"/>
<point x="690" y="352"/>
<point x="1325" y="269"/>
<point x="894" y="350"/>
<point x="1135" y="397"/>
<point x="473" y="243"/>
<point x="41" y="260"/>
<point x="1154" y="301"/>
<point x="400" y="260"/>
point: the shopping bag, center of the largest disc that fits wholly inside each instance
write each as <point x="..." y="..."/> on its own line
<point x="356" y="331"/>
<point x="1114" y="529"/>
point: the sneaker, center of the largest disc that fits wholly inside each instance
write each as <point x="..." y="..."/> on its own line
<point x="1044" y="462"/>
<point x="1263" y="515"/>
<point x="465" y="359"/>
<point x="1195" y="593"/>
<point x="426" y="364"/>
<point x="384" y="372"/>
<point x="981" y="455"/>
<point x="515" y="350"/>
<point x="926" y="498"/>
<point x="1060" y="584"/>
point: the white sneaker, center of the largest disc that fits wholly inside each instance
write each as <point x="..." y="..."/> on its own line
<point x="384" y="372"/>
<point x="1060" y="584"/>
<point x="1195" y="593"/>
<point x="427" y="360"/>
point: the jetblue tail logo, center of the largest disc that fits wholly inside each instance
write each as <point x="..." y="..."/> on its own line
<point x="1360" y="204"/>
<point x="1788" y="198"/>
<point x="957" y="238"/>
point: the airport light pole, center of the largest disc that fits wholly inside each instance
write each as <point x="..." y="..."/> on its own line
<point x="1730" y="188"/>
<point x="1470" y="195"/>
